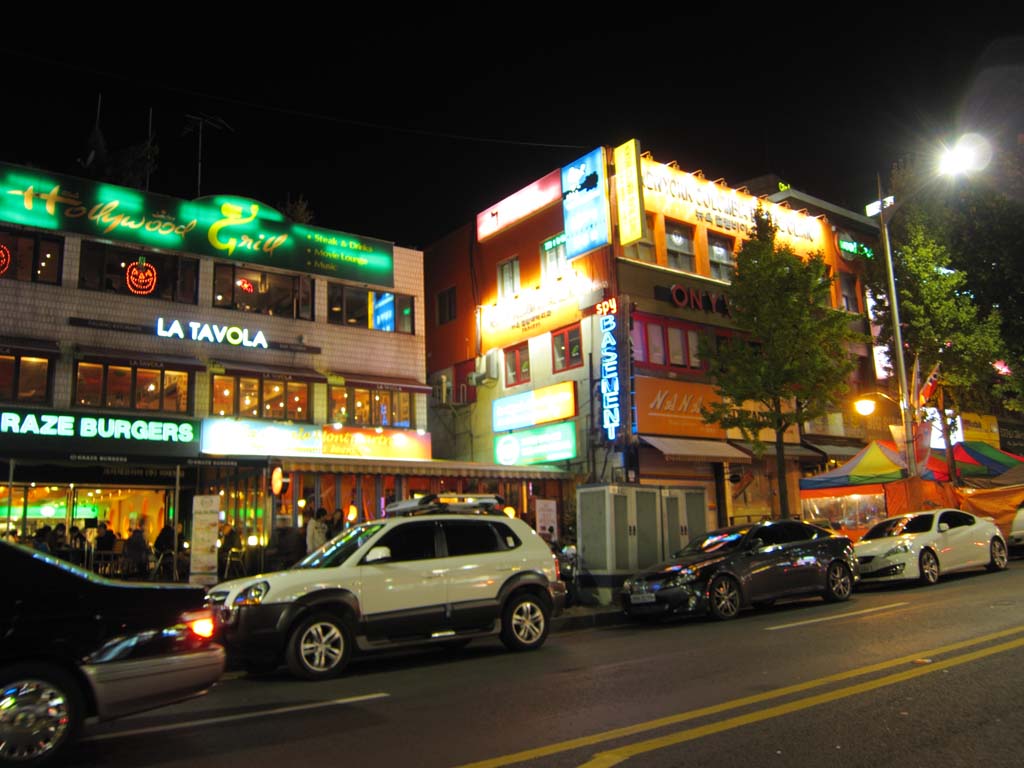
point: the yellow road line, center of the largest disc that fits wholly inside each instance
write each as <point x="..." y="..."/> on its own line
<point x="650" y="725"/>
<point x="615" y="756"/>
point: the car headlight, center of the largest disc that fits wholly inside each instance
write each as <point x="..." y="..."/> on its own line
<point x="899" y="549"/>
<point x="627" y="585"/>
<point x="253" y="594"/>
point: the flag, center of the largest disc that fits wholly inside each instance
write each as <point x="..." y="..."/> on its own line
<point x="928" y="387"/>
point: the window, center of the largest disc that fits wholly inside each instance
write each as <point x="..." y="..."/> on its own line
<point x="517" y="364"/>
<point x="362" y="407"/>
<point x="103" y="268"/>
<point x="24" y="379"/>
<point x="552" y="257"/>
<point x="679" y="247"/>
<point x="259" y="397"/>
<point x="470" y="537"/>
<point x="446" y="306"/>
<point x="131" y="387"/>
<point x="411" y="541"/>
<point x="265" y="293"/>
<point x="507" y="535"/>
<point x="31" y="257"/>
<point x="566" y="349"/>
<point x="721" y="258"/>
<point x="376" y="310"/>
<point x="956" y="519"/>
<point x="508" y="278"/>
<point x="661" y="342"/>
<point x="848" y="291"/>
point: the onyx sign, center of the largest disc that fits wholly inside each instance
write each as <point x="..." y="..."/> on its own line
<point x="688" y="297"/>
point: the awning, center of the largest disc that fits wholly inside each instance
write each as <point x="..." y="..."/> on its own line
<point x="139" y="359"/>
<point x="834" y="451"/>
<point x="262" y="369"/>
<point x="792" y="450"/>
<point x="432" y="468"/>
<point x="10" y="345"/>
<point x="682" y="449"/>
<point x="383" y="382"/>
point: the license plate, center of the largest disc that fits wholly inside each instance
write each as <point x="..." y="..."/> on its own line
<point x="642" y="597"/>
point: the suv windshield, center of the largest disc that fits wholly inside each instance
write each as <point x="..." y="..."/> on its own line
<point x="714" y="541"/>
<point x="340" y="548"/>
<point x="897" y="526"/>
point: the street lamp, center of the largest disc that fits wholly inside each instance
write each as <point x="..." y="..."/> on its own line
<point x="971" y="152"/>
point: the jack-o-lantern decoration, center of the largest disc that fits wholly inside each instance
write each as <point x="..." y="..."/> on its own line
<point x="140" y="277"/>
<point x="5" y="258"/>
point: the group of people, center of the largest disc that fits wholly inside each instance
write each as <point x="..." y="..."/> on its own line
<point x="134" y="560"/>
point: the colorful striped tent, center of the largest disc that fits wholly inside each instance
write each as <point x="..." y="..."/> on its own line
<point x="876" y="463"/>
<point x="972" y="454"/>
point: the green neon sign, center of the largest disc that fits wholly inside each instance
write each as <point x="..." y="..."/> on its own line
<point x="222" y="226"/>
<point x="855" y="248"/>
<point x="536" y="446"/>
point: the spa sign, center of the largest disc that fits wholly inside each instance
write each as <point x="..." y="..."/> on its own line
<point x="221" y="226"/>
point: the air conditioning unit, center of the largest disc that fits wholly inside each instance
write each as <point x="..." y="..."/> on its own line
<point x="476" y="378"/>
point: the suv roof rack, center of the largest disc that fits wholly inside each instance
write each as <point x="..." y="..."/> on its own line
<point x="448" y="504"/>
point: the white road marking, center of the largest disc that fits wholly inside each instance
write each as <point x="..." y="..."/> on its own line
<point x="230" y="718"/>
<point x="833" y="618"/>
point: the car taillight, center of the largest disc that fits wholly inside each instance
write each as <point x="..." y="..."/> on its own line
<point x="201" y="623"/>
<point x="558" y="568"/>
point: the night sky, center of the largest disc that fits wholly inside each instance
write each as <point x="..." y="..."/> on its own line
<point x="406" y="132"/>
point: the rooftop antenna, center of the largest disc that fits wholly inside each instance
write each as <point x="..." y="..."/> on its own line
<point x="196" y="123"/>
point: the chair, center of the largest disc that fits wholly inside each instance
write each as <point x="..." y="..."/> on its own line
<point x="235" y="562"/>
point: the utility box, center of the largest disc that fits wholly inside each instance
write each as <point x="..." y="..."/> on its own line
<point x="621" y="529"/>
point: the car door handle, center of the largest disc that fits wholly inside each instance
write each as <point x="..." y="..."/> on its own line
<point x="435" y="574"/>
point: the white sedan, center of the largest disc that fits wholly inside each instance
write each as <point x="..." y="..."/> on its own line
<point x="921" y="545"/>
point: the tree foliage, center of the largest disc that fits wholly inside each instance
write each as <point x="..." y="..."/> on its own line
<point x="791" y="361"/>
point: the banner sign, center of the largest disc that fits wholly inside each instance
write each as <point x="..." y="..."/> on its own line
<point x="585" y="209"/>
<point x="221" y="226"/>
<point x="537" y="446"/>
<point x="537" y="406"/>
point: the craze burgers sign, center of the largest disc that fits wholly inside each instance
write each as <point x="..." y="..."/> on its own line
<point x="95" y="437"/>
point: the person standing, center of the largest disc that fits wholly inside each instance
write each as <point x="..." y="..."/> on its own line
<point x="316" y="531"/>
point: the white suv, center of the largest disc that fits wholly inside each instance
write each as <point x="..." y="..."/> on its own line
<point x="430" y="572"/>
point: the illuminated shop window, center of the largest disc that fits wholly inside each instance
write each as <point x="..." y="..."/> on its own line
<point x="376" y="310"/>
<point x="128" y="387"/>
<point x="30" y="257"/>
<point x="24" y="379"/>
<point x="517" y="364"/>
<point x="723" y="264"/>
<point x="679" y="247"/>
<point x="259" y="397"/>
<point x="364" y="407"/>
<point x="566" y="349"/>
<point x="659" y="342"/>
<point x="264" y="293"/>
<point x="105" y="267"/>
<point x="552" y="257"/>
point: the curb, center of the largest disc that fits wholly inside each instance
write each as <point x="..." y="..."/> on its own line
<point x="588" y="618"/>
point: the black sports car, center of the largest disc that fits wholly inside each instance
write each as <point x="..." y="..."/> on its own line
<point x="745" y="565"/>
<point x="75" y="645"/>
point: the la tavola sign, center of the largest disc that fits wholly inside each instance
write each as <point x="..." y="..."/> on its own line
<point x="234" y="335"/>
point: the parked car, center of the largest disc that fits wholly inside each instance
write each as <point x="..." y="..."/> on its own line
<point x="923" y="545"/>
<point x="432" y="572"/>
<point x="729" y="569"/>
<point x="75" y="645"/>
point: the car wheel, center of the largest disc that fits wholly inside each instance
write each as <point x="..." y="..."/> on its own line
<point x="41" y="715"/>
<point x="928" y="565"/>
<point x="838" y="583"/>
<point x="319" y="647"/>
<point x="724" y="598"/>
<point x="998" y="555"/>
<point x="524" y="622"/>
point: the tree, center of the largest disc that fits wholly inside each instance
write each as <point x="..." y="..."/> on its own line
<point x="298" y="210"/>
<point x="791" y="361"/>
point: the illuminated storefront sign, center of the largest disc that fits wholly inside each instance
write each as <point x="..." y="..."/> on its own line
<point x="221" y="226"/>
<point x="669" y="407"/>
<point x="252" y="437"/>
<point x="694" y="298"/>
<point x="850" y="248"/>
<point x="585" y="204"/>
<point x="629" y="192"/>
<point x="554" y="305"/>
<point x="535" y="446"/>
<point x="538" y="406"/>
<point x="70" y="434"/>
<point x="211" y="332"/>
<point x="519" y="205"/>
<point x="611" y="417"/>
<point x="373" y="444"/>
<point x="384" y="311"/>
<point x="688" y="198"/>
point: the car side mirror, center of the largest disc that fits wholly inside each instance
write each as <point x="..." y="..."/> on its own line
<point x="755" y="544"/>
<point x="377" y="554"/>
<point x="943" y="527"/>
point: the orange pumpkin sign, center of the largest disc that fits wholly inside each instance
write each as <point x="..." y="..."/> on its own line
<point x="140" y="277"/>
<point x="5" y="258"/>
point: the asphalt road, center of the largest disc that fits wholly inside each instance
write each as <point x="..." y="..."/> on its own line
<point x="897" y="676"/>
